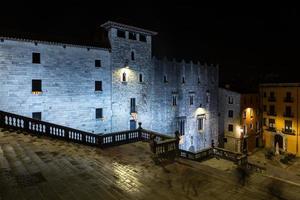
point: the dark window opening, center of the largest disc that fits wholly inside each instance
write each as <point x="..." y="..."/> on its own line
<point x="132" y="56"/>
<point x="36" y="85"/>
<point x="98" y="85"/>
<point x="97" y="63"/>
<point x="182" y="126"/>
<point x="141" y="78"/>
<point x="265" y="94"/>
<point x="165" y="79"/>
<point x="265" y="108"/>
<point x="99" y="113"/>
<point x="37" y="115"/>
<point x="191" y="100"/>
<point x="132" y="105"/>
<point x="230" y="113"/>
<point x="225" y="140"/>
<point x="230" y="127"/>
<point x="199" y="80"/>
<point x="183" y="80"/>
<point x="230" y="100"/>
<point x="36" y="58"/>
<point x="143" y="38"/>
<point x="2" y="40"/>
<point x="200" y="124"/>
<point x="132" y="36"/>
<point x="121" y="34"/>
<point x="124" y="77"/>
<point x="174" y="100"/>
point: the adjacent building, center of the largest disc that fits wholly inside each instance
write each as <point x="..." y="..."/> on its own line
<point x="280" y="117"/>
<point x="102" y="89"/>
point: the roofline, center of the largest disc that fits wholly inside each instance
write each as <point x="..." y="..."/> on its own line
<point x="110" y="24"/>
<point x="52" y="43"/>
<point x="279" y="85"/>
<point x="229" y="90"/>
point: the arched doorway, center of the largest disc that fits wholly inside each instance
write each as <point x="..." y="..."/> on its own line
<point x="278" y="139"/>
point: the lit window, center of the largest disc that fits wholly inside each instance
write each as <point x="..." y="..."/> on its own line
<point x="36" y="86"/>
<point x="36" y="58"/>
<point x="97" y="63"/>
<point x="99" y="113"/>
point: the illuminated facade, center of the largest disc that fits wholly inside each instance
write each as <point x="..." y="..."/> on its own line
<point x="280" y="116"/>
<point x="101" y="90"/>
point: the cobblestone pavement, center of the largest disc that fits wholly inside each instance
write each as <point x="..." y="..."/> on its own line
<point x="43" y="168"/>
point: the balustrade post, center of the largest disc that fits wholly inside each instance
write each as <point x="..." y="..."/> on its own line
<point x="140" y="131"/>
<point x="2" y="119"/>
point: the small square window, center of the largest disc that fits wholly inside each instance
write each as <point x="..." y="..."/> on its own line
<point x="121" y="34"/>
<point x="225" y="140"/>
<point x="36" y="58"/>
<point x="132" y="36"/>
<point x="230" y="127"/>
<point x="98" y="85"/>
<point x="143" y="38"/>
<point x="37" y="115"/>
<point x="97" y="63"/>
<point x="36" y="85"/>
<point x="99" y="113"/>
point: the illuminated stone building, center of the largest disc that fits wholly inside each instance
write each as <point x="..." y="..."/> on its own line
<point x="102" y="89"/>
<point x="280" y="104"/>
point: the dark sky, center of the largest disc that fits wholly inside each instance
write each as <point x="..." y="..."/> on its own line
<point x="251" y="44"/>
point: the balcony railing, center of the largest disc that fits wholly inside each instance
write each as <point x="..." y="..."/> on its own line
<point x="288" y="131"/>
<point x="271" y="99"/>
<point x="272" y="113"/>
<point x="272" y="129"/>
<point x="287" y="114"/>
<point x="288" y="99"/>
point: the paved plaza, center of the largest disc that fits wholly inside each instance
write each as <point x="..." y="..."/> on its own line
<point x="43" y="168"/>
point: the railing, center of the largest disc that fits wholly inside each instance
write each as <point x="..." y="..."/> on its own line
<point x="166" y="148"/>
<point x="197" y="156"/>
<point x="229" y="155"/>
<point x="255" y="167"/>
<point x="288" y="114"/>
<point x="41" y="128"/>
<point x="37" y="127"/>
<point x="272" y="113"/>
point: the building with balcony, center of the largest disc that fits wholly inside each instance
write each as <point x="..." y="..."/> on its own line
<point x="280" y="116"/>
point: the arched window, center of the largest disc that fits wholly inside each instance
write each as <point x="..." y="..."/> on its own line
<point x="124" y="77"/>
<point x="132" y="55"/>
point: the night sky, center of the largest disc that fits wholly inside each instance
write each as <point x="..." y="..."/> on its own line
<point x="251" y="44"/>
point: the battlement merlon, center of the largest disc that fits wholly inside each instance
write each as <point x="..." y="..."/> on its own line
<point x="109" y="24"/>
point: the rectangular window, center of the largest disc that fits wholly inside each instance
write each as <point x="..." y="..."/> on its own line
<point x="132" y="36"/>
<point x="174" y="100"/>
<point x="97" y="63"/>
<point x="121" y="33"/>
<point x="37" y="115"/>
<point x="182" y="126"/>
<point x="132" y="105"/>
<point x="272" y="123"/>
<point x="165" y="79"/>
<point x="230" y="100"/>
<point x="99" y="113"/>
<point x="191" y="100"/>
<point x="265" y="121"/>
<point x="36" y="58"/>
<point x="141" y="78"/>
<point x="272" y="94"/>
<point x="265" y="108"/>
<point x="288" y="111"/>
<point x="288" y="125"/>
<point x="230" y="127"/>
<point x="98" y="85"/>
<point x="230" y="113"/>
<point x="143" y="38"/>
<point x="265" y="94"/>
<point x="36" y="86"/>
<point x="225" y="140"/>
<point x="272" y="110"/>
<point x="183" y="80"/>
<point x="200" y="123"/>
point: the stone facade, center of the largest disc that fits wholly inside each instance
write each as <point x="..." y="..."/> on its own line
<point x="229" y="123"/>
<point x="128" y="71"/>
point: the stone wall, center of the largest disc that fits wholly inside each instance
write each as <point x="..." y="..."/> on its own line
<point x="68" y="82"/>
